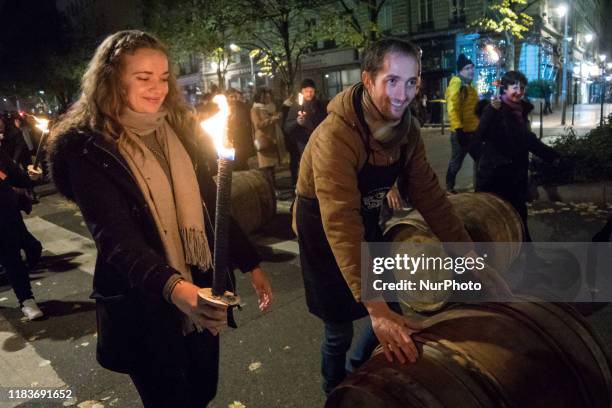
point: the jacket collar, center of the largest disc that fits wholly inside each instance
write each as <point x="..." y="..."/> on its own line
<point x="345" y="105"/>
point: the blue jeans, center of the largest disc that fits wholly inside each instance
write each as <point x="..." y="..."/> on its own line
<point x="337" y="342"/>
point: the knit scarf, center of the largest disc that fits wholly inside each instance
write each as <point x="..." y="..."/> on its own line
<point x="515" y="107"/>
<point x="387" y="132"/>
<point x="175" y="203"/>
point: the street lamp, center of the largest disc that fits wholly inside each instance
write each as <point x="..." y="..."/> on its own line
<point x="562" y="12"/>
<point x="602" y="58"/>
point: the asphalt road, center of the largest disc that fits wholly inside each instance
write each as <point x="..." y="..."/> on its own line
<point x="271" y="360"/>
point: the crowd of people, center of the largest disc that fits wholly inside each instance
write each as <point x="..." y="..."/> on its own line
<point x="131" y="155"/>
<point x="17" y="180"/>
<point x="273" y="133"/>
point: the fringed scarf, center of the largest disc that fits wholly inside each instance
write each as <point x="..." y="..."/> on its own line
<point x="175" y="201"/>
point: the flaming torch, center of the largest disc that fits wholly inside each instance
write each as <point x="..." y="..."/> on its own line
<point x="43" y="125"/>
<point x="216" y="127"/>
<point x="301" y="102"/>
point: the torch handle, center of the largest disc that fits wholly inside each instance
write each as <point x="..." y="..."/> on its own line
<point x="40" y="142"/>
<point x="222" y="211"/>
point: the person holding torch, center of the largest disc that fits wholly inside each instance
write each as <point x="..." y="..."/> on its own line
<point x="304" y="117"/>
<point x="129" y="154"/>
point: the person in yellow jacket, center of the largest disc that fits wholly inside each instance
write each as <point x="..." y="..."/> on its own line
<point x="461" y="100"/>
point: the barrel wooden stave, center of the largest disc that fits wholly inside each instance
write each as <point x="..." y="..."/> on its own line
<point x="253" y="200"/>
<point x="526" y="355"/>
<point x="486" y="217"/>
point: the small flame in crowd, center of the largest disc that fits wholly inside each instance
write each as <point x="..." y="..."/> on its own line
<point x="300" y="99"/>
<point x="216" y="127"/>
<point x="42" y="124"/>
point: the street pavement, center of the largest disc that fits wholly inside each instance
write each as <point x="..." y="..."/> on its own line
<point x="271" y="360"/>
<point x="586" y="116"/>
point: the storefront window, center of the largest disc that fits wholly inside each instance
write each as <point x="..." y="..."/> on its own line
<point x="336" y="81"/>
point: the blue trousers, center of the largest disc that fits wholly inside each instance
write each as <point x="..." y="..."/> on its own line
<point x="337" y="341"/>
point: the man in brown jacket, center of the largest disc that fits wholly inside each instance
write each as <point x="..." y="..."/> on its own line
<point x="351" y="161"/>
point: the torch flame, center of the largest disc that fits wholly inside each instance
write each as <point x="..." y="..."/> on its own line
<point x="300" y="99"/>
<point x="216" y="127"/>
<point x="42" y="124"/>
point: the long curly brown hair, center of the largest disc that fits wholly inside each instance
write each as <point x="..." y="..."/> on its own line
<point x="102" y="94"/>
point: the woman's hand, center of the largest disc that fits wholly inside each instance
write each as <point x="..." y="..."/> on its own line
<point x="262" y="287"/>
<point x="204" y="315"/>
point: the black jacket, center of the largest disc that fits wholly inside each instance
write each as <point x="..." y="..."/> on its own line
<point x="134" y="321"/>
<point x="504" y="162"/>
<point x="11" y="176"/>
<point x="315" y="114"/>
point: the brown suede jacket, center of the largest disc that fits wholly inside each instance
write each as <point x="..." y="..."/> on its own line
<point x="328" y="171"/>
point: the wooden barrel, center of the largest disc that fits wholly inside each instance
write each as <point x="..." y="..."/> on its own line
<point x="414" y="230"/>
<point x="253" y="200"/>
<point x="486" y="217"/>
<point x="490" y="355"/>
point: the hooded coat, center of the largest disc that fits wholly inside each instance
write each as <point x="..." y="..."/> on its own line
<point x="328" y="172"/>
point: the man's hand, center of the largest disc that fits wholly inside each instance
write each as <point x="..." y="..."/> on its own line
<point x="301" y="118"/>
<point x="394" y="199"/>
<point x="393" y="332"/>
<point x="209" y="316"/>
<point x="493" y="282"/>
<point x="262" y="287"/>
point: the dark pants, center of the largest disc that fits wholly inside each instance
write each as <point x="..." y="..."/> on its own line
<point x="547" y="107"/>
<point x="301" y="146"/>
<point x="337" y="340"/>
<point x="458" y="154"/>
<point x="13" y="238"/>
<point x="192" y="384"/>
<point x="294" y="157"/>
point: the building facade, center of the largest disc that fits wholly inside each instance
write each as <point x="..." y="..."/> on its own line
<point x="443" y="30"/>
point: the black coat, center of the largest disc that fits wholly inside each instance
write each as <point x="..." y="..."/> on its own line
<point x="315" y="114"/>
<point x="134" y="321"/>
<point x="11" y="176"/>
<point x="241" y="134"/>
<point x="504" y="162"/>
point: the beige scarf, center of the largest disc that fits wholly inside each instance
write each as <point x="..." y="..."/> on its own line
<point x="175" y="203"/>
<point x="387" y="132"/>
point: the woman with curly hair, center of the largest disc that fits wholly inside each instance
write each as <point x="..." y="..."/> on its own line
<point x="128" y="153"/>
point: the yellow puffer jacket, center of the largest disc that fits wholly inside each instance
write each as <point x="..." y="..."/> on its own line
<point x="461" y="105"/>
